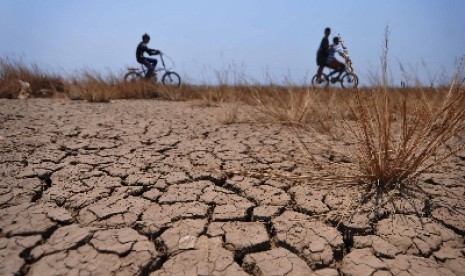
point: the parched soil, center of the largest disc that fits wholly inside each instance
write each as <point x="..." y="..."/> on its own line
<point x="151" y="187"/>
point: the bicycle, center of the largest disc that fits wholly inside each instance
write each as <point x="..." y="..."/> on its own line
<point x="347" y="79"/>
<point x="169" y="77"/>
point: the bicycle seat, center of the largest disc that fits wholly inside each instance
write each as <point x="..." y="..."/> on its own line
<point x="133" y="68"/>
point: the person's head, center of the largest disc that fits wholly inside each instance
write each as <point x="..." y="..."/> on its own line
<point x="336" y="40"/>
<point x="327" y="31"/>
<point x="146" y="38"/>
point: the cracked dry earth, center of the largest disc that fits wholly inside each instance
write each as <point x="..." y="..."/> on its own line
<point x="130" y="188"/>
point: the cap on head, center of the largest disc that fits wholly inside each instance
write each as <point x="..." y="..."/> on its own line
<point x="336" y="39"/>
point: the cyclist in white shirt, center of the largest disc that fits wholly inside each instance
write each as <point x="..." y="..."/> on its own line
<point x="331" y="60"/>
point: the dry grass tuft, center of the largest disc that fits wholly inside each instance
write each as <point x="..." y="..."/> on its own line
<point x="398" y="137"/>
<point x="286" y="105"/>
<point x="392" y="147"/>
<point x="41" y="83"/>
<point x="86" y="85"/>
<point x="230" y="113"/>
<point x="94" y="87"/>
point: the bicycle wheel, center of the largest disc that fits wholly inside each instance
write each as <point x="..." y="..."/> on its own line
<point x="171" y="78"/>
<point x="349" y="80"/>
<point x="131" y="77"/>
<point x="322" y="83"/>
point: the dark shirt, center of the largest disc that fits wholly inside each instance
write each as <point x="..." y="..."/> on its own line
<point x="322" y="52"/>
<point x="141" y="49"/>
<point x="324" y="47"/>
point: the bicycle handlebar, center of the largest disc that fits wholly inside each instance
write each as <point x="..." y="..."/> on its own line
<point x="161" y="54"/>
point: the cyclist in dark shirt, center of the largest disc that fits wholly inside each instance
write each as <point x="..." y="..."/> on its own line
<point x="150" y="63"/>
<point x="322" y="53"/>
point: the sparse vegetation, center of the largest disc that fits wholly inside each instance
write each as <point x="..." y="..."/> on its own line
<point x="86" y="85"/>
<point x="400" y="136"/>
<point x="392" y="135"/>
<point x="94" y="87"/>
<point x="41" y="83"/>
<point x="395" y="145"/>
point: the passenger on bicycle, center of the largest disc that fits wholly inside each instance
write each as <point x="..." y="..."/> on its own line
<point x="322" y="53"/>
<point x="150" y="63"/>
<point x="331" y="60"/>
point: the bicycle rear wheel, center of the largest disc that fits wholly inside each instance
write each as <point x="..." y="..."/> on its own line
<point x="131" y="77"/>
<point x="321" y="83"/>
<point x="171" y="78"/>
<point x="349" y="80"/>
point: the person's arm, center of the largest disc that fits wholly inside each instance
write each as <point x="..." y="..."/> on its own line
<point x="148" y="50"/>
<point x="341" y="52"/>
<point x="153" y="52"/>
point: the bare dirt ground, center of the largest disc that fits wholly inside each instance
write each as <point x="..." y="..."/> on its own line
<point x="130" y="188"/>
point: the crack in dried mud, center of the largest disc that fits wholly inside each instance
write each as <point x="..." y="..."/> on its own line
<point x="147" y="188"/>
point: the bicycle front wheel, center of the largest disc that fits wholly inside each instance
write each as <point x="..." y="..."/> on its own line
<point x="171" y="79"/>
<point x="349" y="80"/>
<point x="320" y="83"/>
<point x="131" y="77"/>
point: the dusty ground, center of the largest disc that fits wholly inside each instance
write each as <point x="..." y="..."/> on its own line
<point x="129" y="188"/>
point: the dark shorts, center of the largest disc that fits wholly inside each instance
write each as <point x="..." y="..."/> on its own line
<point x="336" y="64"/>
<point x="150" y="63"/>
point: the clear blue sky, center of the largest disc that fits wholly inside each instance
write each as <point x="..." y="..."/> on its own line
<point x="257" y="38"/>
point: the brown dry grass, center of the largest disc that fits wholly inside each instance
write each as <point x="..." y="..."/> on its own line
<point x="398" y="137"/>
<point x="42" y="84"/>
<point x="94" y="87"/>
<point x="86" y="85"/>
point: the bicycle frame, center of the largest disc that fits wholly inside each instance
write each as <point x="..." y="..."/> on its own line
<point x="144" y="69"/>
<point x="167" y="76"/>
<point x="334" y="71"/>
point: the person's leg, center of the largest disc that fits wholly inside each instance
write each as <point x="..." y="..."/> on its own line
<point x="320" y="61"/>
<point x="153" y="61"/>
<point x="341" y="69"/>
<point x="150" y="64"/>
<point x="153" y="65"/>
<point x="338" y="66"/>
<point x="332" y="64"/>
<point x="147" y="65"/>
<point x="319" y="72"/>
